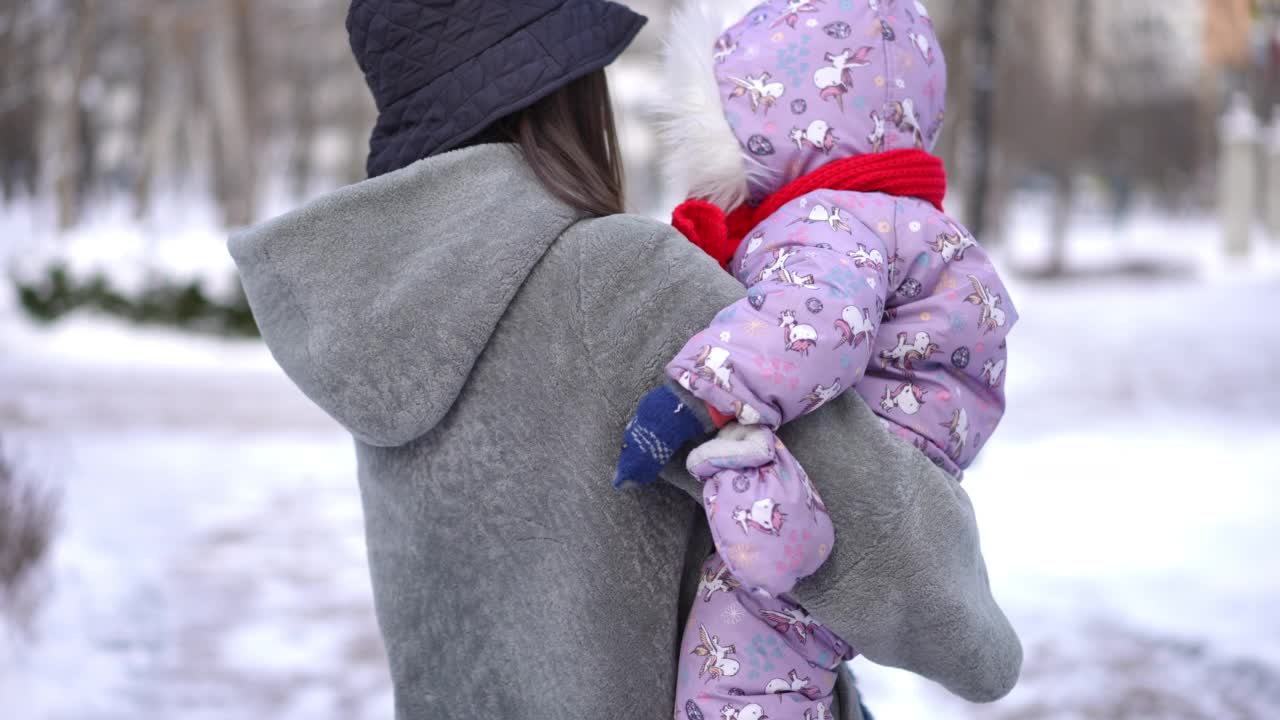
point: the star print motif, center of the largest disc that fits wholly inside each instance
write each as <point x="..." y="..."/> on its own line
<point x="755" y="326"/>
<point x="743" y="555"/>
<point x="734" y="614"/>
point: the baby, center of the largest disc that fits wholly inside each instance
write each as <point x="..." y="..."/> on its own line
<point x="855" y="279"/>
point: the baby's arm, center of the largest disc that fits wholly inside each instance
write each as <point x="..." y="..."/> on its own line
<point x="816" y="282"/>
<point x="767" y="520"/>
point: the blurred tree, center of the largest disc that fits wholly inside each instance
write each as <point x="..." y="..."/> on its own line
<point x="1078" y="87"/>
<point x="67" y="54"/>
<point x="19" y="104"/>
<point x="982" y="79"/>
<point x="230" y="80"/>
<point x="174" y="94"/>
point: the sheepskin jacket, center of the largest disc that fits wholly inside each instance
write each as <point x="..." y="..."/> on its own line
<point x="484" y="344"/>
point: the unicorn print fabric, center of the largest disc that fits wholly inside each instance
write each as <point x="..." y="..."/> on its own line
<point x="847" y="290"/>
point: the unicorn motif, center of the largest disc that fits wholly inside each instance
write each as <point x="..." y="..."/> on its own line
<point x="811" y="498"/>
<point x="718" y="581"/>
<point x="907" y="397"/>
<point x="855" y="326"/>
<point x="958" y="429"/>
<point x="904" y="116"/>
<point x="818" y="135"/>
<point x="764" y="515"/>
<point x="746" y="712"/>
<point x="778" y="266"/>
<point x="818" y="712"/>
<point x="905" y="353"/>
<point x="788" y="619"/>
<point x="791" y="13"/>
<point x="793" y="683"/>
<point x="725" y="46"/>
<point x="759" y="90"/>
<point x="876" y="137"/>
<point x="992" y="371"/>
<point x="992" y="316"/>
<point x="754" y="242"/>
<point x="821" y="395"/>
<point x="835" y="79"/>
<point x="862" y="257"/>
<point x="718" y="664"/>
<point x="830" y="217"/>
<point x="921" y="43"/>
<point x="953" y="244"/>
<point x="712" y="363"/>
<point x="797" y="336"/>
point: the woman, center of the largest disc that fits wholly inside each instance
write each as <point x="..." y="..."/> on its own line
<point x="484" y="319"/>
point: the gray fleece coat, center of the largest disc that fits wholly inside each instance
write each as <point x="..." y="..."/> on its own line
<point x="485" y="345"/>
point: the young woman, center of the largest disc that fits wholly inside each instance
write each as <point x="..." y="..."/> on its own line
<point x="482" y="317"/>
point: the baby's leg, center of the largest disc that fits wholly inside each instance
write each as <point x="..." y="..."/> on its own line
<point x="738" y="662"/>
<point x="767" y="520"/>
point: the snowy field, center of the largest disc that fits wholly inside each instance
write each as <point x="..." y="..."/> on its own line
<point x="211" y="560"/>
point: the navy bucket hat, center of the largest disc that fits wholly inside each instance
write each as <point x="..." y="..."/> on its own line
<point x="441" y="71"/>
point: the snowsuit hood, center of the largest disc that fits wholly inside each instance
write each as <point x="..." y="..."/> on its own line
<point x="800" y="83"/>
<point x="387" y="369"/>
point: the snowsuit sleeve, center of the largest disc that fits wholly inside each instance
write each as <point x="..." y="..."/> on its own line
<point x="904" y="528"/>
<point x="816" y="283"/>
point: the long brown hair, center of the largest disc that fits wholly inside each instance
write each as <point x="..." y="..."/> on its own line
<point x="570" y="140"/>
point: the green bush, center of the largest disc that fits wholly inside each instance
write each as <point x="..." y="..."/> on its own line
<point x="183" y="305"/>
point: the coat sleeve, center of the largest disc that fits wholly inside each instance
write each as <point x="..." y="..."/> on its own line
<point x="815" y="296"/>
<point x="906" y="583"/>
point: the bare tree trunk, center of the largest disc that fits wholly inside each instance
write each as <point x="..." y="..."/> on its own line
<point x="19" y="106"/>
<point x="1060" y="222"/>
<point x="66" y="163"/>
<point x="955" y="35"/>
<point x="983" y="84"/>
<point x="161" y="105"/>
<point x="234" y="167"/>
<point x="302" y="149"/>
<point x="359" y="125"/>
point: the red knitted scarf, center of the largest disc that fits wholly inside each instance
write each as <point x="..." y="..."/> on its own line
<point x="905" y="173"/>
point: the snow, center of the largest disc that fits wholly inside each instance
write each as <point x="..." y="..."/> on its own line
<point x="1128" y="503"/>
<point x="211" y="562"/>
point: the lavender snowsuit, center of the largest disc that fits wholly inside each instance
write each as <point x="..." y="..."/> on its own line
<point x="885" y="295"/>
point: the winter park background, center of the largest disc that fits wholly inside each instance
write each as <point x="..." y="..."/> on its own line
<point x="180" y="532"/>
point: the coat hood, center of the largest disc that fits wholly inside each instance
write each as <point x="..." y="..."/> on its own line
<point x="798" y="84"/>
<point x="377" y="299"/>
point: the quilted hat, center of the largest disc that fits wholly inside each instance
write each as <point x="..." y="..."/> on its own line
<point x="443" y="70"/>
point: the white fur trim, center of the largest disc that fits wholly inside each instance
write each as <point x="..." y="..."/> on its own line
<point x="702" y="153"/>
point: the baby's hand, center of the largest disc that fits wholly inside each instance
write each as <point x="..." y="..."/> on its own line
<point x="661" y="426"/>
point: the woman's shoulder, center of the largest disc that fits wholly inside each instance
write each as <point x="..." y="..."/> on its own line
<point x="618" y="231"/>
<point x="626" y="242"/>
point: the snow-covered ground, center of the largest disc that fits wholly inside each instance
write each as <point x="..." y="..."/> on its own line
<point x="211" y="562"/>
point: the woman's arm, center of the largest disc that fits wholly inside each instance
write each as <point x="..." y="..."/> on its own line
<point x="906" y="583"/>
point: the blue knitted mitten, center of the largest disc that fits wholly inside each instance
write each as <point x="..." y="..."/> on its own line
<point x="663" y="423"/>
